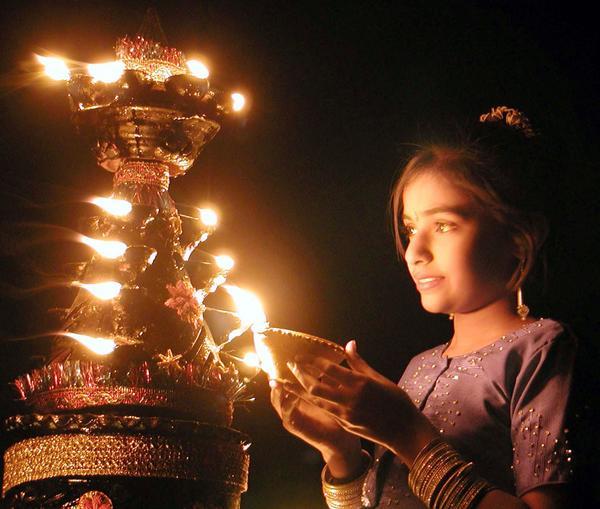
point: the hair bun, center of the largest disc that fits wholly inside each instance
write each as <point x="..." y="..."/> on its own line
<point x="511" y="117"/>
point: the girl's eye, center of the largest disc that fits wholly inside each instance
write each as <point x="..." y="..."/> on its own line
<point x="443" y="227"/>
<point x="408" y="230"/>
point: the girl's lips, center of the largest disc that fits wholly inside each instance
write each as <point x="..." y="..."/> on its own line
<point x="428" y="283"/>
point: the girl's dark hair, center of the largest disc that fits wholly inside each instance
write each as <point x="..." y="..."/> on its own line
<point x="502" y="168"/>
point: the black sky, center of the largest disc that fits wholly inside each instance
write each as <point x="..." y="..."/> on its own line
<point x="338" y="91"/>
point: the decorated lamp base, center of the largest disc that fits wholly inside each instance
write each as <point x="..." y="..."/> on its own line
<point x="121" y="493"/>
<point x="103" y="461"/>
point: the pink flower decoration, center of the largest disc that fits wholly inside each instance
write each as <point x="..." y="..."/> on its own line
<point x="183" y="300"/>
<point x="94" y="500"/>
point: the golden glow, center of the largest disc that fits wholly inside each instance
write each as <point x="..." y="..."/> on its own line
<point x="224" y="262"/>
<point x="113" y="206"/>
<point x="108" y="72"/>
<point x="217" y="281"/>
<point x="267" y="361"/>
<point x="208" y="217"/>
<point x="187" y="252"/>
<point x="238" y="101"/>
<point x="107" y="248"/>
<point x="200" y="295"/>
<point x="101" y="346"/>
<point x="55" y="68"/>
<point x="198" y="69"/>
<point x="249" y="310"/>
<point x="251" y="359"/>
<point x="104" y="291"/>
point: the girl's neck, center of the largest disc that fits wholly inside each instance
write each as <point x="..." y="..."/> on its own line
<point x="477" y="329"/>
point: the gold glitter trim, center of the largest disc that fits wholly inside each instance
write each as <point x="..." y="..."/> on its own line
<point x="76" y="455"/>
<point x="150" y="173"/>
<point x="207" y="403"/>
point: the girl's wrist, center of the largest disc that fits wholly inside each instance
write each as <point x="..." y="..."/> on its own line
<point x="345" y="463"/>
<point x="414" y="438"/>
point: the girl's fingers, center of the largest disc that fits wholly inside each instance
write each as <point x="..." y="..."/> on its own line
<point x="306" y="375"/>
<point x="357" y="363"/>
<point x="276" y="395"/>
<point x="324" y="385"/>
<point x="326" y="405"/>
<point x="323" y="368"/>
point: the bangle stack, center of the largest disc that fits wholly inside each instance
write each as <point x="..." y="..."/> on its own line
<point x="347" y="495"/>
<point x="441" y="479"/>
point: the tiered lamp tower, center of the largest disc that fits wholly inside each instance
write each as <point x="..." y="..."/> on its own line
<point x="135" y="408"/>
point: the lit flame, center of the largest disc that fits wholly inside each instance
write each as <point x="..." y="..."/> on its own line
<point x="187" y="252"/>
<point x="200" y="295"/>
<point x="198" y="69"/>
<point x="107" y="248"/>
<point x="208" y="217"/>
<point x="224" y="262"/>
<point x="55" y="68"/>
<point x="251" y="359"/>
<point x="104" y="291"/>
<point x="101" y="346"/>
<point x="152" y="257"/>
<point x="238" y="101"/>
<point x="216" y="282"/>
<point x="249" y="310"/>
<point x="267" y="361"/>
<point x="108" y="72"/>
<point x="113" y="206"/>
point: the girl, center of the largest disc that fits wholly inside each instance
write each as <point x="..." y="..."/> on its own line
<point x="478" y="421"/>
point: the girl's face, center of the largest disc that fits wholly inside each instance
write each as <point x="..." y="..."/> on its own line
<point x="458" y="257"/>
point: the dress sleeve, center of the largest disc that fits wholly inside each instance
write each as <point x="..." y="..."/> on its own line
<point x="541" y="451"/>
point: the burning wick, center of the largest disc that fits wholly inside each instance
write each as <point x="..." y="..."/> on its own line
<point x="249" y="310"/>
<point x="208" y="217"/>
<point x="238" y="101"/>
<point x="104" y="291"/>
<point x="251" y="359"/>
<point x="108" y="72"/>
<point x="107" y="248"/>
<point x="112" y="206"/>
<point x="55" y="68"/>
<point x="152" y="257"/>
<point x="101" y="346"/>
<point x="224" y="262"/>
<point x="198" y="69"/>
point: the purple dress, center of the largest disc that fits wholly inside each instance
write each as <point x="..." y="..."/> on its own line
<point x="502" y="407"/>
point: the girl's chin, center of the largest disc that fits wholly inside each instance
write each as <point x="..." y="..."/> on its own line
<point x="436" y="308"/>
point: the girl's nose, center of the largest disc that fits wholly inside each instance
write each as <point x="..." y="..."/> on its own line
<point x="418" y="250"/>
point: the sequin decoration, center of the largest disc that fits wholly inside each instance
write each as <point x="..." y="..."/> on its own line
<point x="75" y="455"/>
<point x="154" y="59"/>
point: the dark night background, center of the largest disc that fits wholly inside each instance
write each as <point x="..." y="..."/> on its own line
<point x="338" y="90"/>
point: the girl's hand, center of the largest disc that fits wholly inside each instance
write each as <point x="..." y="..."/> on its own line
<point x="340" y="449"/>
<point x="363" y="402"/>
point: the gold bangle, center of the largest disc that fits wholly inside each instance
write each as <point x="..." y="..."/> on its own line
<point x="158" y="456"/>
<point x="441" y="479"/>
<point x="439" y="469"/>
<point x="423" y="459"/>
<point x="349" y="494"/>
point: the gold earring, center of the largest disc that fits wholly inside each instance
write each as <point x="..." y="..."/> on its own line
<point x="522" y="309"/>
<point x="451" y="316"/>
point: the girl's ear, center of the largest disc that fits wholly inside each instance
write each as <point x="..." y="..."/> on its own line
<point x="520" y="247"/>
